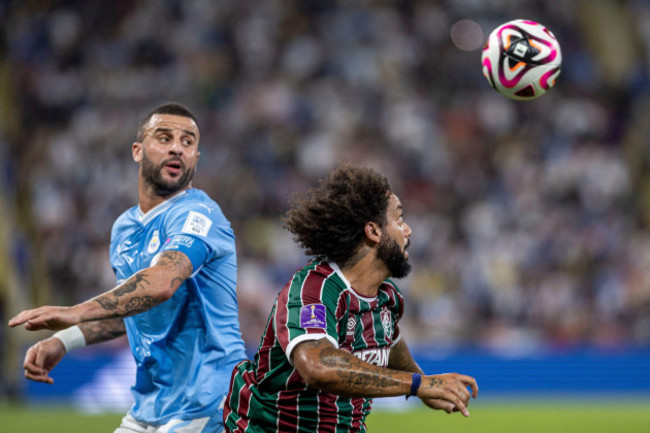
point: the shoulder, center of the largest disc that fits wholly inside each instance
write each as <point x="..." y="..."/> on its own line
<point x="127" y="218"/>
<point x="198" y="204"/>
<point x="391" y="288"/>
<point x="316" y="280"/>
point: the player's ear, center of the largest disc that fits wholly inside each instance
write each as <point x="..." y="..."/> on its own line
<point x="373" y="231"/>
<point x="136" y="150"/>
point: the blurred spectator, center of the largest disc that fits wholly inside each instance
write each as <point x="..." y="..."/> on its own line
<point x="530" y="219"/>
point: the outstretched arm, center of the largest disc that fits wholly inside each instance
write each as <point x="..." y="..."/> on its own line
<point x="401" y="359"/>
<point x="336" y="371"/>
<point x="143" y="291"/>
<point x="102" y="330"/>
<point x="43" y="356"/>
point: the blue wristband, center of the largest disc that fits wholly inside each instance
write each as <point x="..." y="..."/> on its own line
<point x="415" y="385"/>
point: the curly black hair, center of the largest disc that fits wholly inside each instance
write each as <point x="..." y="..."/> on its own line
<point x="329" y="223"/>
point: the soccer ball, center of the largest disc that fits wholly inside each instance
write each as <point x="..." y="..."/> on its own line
<point x="521" y="59"/>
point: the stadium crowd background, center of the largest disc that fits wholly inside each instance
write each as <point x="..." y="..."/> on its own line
<point x="530" y="219"/>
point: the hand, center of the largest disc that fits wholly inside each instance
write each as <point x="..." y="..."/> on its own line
<point x="41" y="358"/>
<point x="53" y="318"/>
<point x="448" y="392"/>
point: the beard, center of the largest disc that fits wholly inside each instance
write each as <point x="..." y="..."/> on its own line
<point x="389" y="252"/>
<point x="152" y="174"/>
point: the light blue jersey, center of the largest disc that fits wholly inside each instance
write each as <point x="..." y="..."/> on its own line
<point x="185" y="348"/>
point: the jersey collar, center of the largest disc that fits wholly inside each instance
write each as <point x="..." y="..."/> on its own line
<point x="347" y="283"/>
<point x="161" y="207"/>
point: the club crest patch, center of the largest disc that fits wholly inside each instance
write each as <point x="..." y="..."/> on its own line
<point x="313" y="316"/>
<point x="197" y="224"/>
<point x="387" y="323"/>
<point x="154" y="243"/>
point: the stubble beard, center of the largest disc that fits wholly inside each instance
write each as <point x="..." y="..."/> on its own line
<point x="152" y="175"/>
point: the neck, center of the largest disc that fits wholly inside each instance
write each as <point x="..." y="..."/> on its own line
<point x="367" y="274"/>
<point x="148" y="198"/>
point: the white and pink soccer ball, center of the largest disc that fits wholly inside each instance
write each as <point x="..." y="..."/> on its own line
<point x="521" y="59"/>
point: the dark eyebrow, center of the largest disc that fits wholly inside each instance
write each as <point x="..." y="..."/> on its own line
<point x="188" y="132"/>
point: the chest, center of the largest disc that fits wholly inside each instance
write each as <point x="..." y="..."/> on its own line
<point x="368" y="330"/>
<point x="135" y="247"/>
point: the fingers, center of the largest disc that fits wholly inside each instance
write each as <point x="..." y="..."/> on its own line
<point x="36" y="377"/>
<point x="452" y="389"/>
<point x="471" y="382"/>
<point x="460" y="405"/>
<point x="19" y="319"/>
<point x="34" y="365"/>
<point x="438" y="403"/>
<point x="29" y="318"/>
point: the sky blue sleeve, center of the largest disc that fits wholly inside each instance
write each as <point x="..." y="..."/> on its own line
<point x="195" y="249"/>
<point x="202" y="233"/>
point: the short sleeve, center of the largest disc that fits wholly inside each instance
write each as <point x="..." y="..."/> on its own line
<point x="303" y="313"/>
<point x="200" y="231"/>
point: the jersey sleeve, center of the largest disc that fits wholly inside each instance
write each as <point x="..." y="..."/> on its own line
<point x="303" y="313"/>
<point x="199" y="231"/>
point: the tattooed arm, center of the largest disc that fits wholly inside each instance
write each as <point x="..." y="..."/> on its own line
<point x="102" y="330"/>
<point x="335" y="371"/>
<point x="143" y="291"/>
<point x="400" y="358"/>
<point x="43" y="356"/>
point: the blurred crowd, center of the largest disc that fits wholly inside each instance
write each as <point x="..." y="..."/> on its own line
<point x="530" y="219"/>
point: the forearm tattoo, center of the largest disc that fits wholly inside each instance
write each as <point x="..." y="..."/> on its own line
<point x="135" y="295"/>
<point x="356" y="375"/>
<point x="110" y="300"/>
<point x="102" y="330"/>
<point x="138" y="305"/>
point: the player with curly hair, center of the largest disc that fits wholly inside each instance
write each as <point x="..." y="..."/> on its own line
<point x="332" y="342"/>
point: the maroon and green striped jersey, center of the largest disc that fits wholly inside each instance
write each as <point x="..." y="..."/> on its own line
<point x="269" y="395"/>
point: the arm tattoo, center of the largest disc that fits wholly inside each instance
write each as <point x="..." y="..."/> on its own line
<point x="139" y="304"/>
<point x="329" y="357"/>
<point x="177" y="262"/>
<point x="107" y="303"/>
<point x="138" y="293"/>
<point x="130" y="285"/>
<point x="110" y="300"/>
<point x="352" y="371"/>
<point x="102" y="330"/>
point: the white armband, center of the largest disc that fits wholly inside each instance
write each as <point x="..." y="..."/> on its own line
<point x="71" y="338"/>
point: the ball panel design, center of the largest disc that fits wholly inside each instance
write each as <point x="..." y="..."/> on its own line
<point x="521" y="59"/>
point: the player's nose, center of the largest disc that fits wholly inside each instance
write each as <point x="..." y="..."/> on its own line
<point x="176" y="146"/>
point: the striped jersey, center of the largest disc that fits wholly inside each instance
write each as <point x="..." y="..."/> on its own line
<point x="268" y="394"/>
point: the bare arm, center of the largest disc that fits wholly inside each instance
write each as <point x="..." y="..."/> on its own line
<point x="43" y="356"/>
<point x="143" y="291"/>
<point x="336" y="371"/>
<point x="102" y="330"/>
<point x="401" y="359"/>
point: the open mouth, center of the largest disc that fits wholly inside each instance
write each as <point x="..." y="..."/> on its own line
<point x="174" y="167"/>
